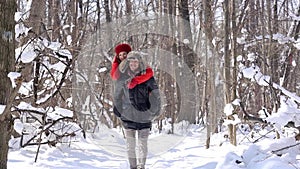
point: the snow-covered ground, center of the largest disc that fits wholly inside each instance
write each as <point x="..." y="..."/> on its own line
<point x="106" y="150"/>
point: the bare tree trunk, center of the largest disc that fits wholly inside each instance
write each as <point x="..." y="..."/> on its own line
<point x="36" y="22"/>
<point x="234" y="54"/>
<point x="189" y="59"/>
<point x="287" y="66"/>
<point x="128" y="7"/>
<point x="173" y="99"/>
<point x="273" y="28"/>
<point x="227" y="77"/>
<point x="128" y="4"/>
<point x="7" y="60"/>
<point x="55" y="21"/>
<point x="205" y="107"/>
<point x="211" y="110"/>
<point x="37" y="16"/>
<point x="227" y="64"/>
<point x="108" y="19"/>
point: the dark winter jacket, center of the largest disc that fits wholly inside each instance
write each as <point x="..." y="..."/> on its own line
<point x="136" y="106"/>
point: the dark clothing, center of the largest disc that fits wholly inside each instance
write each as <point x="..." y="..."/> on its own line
<point x="136" y="126"/>
<point x="138" y="106"/>
<point x="136" y="103"/>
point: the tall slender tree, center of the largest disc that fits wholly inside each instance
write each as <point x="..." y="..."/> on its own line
<point x="188" y="59"/>
<point x="36" y="20"/>
<point x="227" y="64"/>
<point x="7" y="60"/>
<point x="211" y="88"/>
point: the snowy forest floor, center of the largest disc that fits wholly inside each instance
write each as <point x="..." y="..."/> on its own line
<point x="106" y="150"/>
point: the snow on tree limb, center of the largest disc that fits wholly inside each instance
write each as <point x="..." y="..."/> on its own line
<point x="254" y="74"/>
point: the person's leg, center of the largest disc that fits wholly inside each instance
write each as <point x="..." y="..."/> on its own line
<point x="131" y="147"/>
<point x="142" y="147"/>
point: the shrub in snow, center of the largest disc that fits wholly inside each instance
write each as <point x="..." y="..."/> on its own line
<point x="54" y="126"/>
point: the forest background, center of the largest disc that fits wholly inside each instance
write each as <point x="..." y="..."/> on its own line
<point x="56" y="56"/>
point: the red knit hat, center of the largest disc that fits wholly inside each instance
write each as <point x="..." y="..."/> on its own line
<point x="123" y="47"/>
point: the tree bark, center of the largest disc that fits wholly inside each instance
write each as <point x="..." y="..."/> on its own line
<point x="5" y="131"/>
<point x="108" y="20"/>
<point x="36" y="22"/>
<point x="234" y="68"/>
<point x="227" y="77"/>
<point x="227" y="60"/>
<point x="55" y="21"/>
<point x="188" y="59"/>
<point x="37" y="16"/>
<point x="7" y="60"/>
<point x="211" y="67"/>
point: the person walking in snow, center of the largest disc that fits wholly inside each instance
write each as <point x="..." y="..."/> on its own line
<point x="136" y="103"/>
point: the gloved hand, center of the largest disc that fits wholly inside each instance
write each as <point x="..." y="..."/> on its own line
<point x="123" y="66"/>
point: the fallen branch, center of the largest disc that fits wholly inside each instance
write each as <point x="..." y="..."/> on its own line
<point x="249" y="117"/>
<point x="284" y="148"/>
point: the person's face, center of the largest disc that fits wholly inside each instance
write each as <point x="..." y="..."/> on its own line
<point x="122" y="55"/>
<point x="134" y="65"/>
